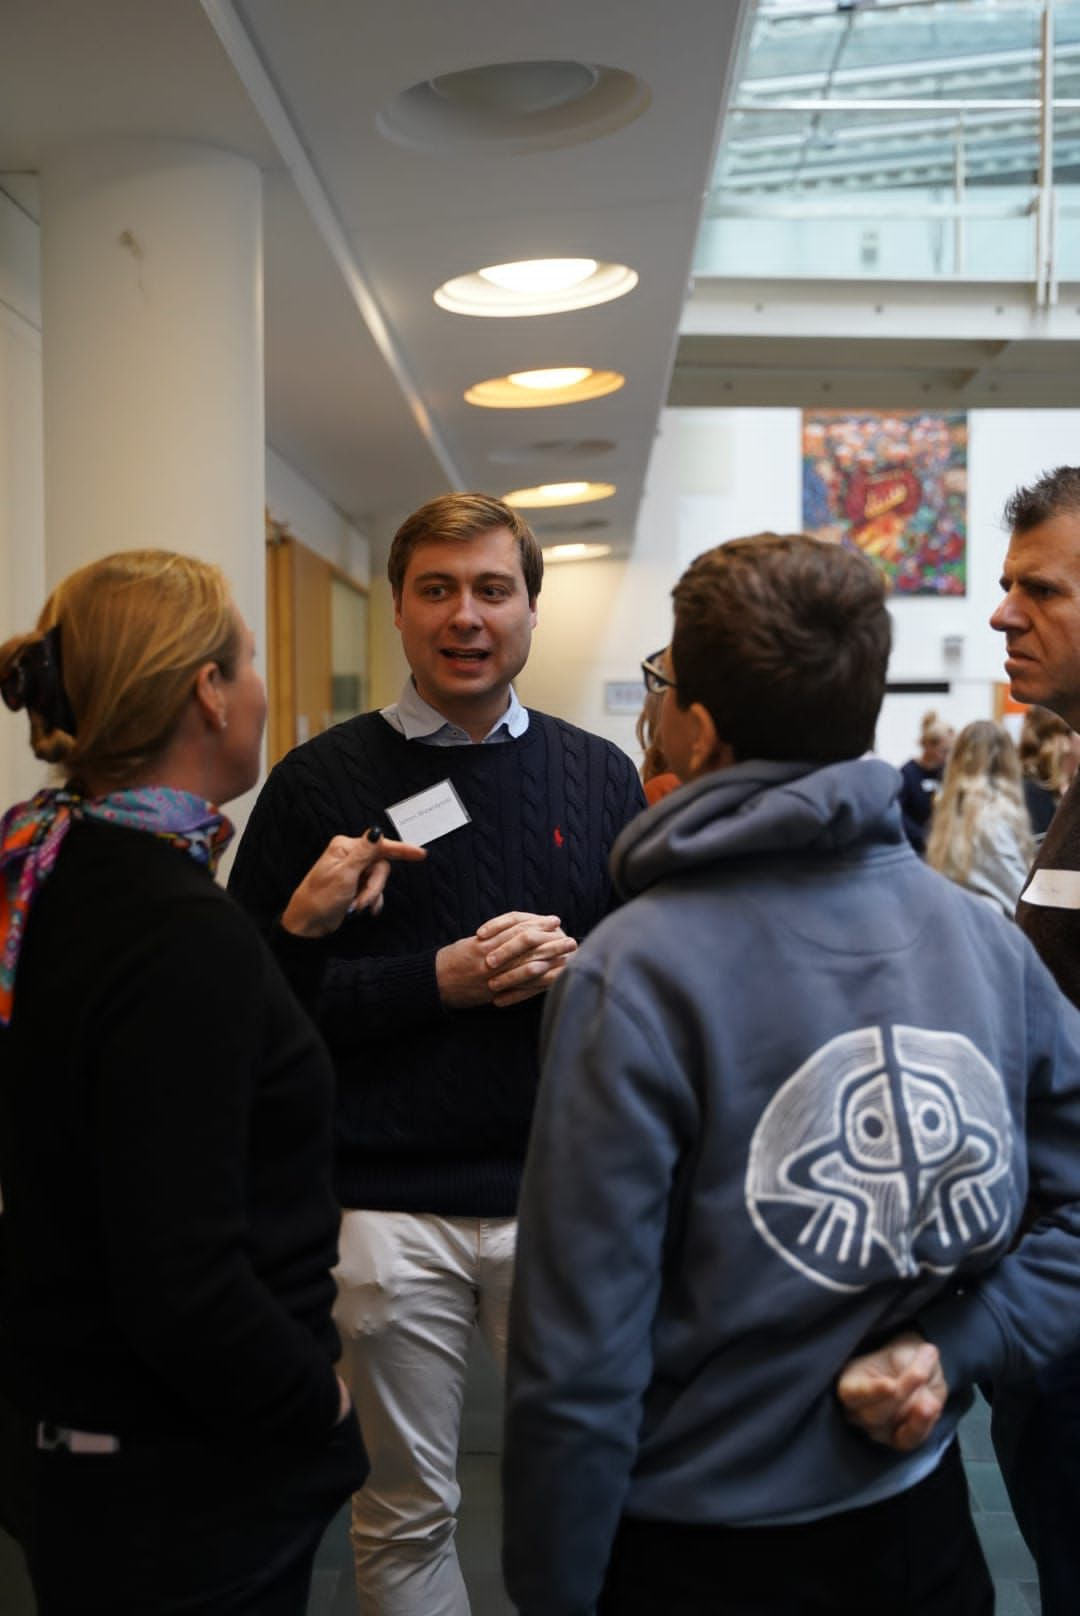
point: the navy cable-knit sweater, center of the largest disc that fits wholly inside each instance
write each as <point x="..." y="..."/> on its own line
<point x="434" y="1105"/>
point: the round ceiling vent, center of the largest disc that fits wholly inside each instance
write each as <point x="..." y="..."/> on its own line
<point x="517" y="87"/>
<point x="553" y="449"/>
<point x="511" y="107"/>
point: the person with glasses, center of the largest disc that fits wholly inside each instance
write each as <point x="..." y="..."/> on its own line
<point x="795" y="1096"/>
<point x="656" y="778"/>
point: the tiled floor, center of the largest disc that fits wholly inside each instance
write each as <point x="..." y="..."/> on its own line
<point x="1006" y="1554"/>
<point x="332" y="1591"/>
<point x="332" y="1595"/>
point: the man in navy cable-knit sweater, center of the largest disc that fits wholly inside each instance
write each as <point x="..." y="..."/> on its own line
<point x="431" y="1008"/>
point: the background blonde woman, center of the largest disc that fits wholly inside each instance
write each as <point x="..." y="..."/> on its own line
<point x="164" y="1122"/>
<point x="922" y="778"/>
<point x="980" y="835"/>
<point x="1048" y="759"/>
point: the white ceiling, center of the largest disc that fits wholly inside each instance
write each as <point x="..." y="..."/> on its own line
<point x="364" y="374"/>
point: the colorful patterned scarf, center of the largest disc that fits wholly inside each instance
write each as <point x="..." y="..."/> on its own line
<point x="32" y="832"/>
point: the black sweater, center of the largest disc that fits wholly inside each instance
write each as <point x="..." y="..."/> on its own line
<point x="165" y="1144"/>
<point x="434" y="1105"/>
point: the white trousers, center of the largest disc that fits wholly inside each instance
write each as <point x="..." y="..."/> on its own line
<point x="410" y="1289"/>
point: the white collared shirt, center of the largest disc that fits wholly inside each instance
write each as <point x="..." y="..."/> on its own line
<point x="417" y="720"/>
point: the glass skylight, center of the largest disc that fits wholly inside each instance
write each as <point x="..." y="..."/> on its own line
<point x="902" y="139"/>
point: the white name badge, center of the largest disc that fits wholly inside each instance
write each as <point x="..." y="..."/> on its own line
<point x="429" y="814"/>
<point x="1053" y="889"/>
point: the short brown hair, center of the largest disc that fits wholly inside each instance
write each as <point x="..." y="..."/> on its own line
<point x="785" y="640"/>
<point x="460" y="517"/>
<point x="134" y="629"/>
<point x="1055" y="493"/>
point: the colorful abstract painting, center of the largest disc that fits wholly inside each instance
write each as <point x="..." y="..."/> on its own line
<point x="892" y="483"/>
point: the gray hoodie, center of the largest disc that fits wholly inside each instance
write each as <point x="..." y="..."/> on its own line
<point x="794" y="1095"/>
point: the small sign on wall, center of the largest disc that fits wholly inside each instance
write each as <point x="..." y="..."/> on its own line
<point x="624" y="696"/>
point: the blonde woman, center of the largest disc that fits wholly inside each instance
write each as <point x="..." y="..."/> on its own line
<point x="164" y="1122"/>
<point x="980" y="835"/>
<point x="1048" y="759"/>
<point x="922" y="778"/>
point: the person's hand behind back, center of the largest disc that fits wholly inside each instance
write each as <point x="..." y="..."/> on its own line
<point x="896" y="1394"/>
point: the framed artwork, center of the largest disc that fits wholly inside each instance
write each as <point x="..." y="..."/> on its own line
<point x="893" y="484"/>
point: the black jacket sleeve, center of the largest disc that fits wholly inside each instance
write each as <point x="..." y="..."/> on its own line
<point x="172" y="1127"/>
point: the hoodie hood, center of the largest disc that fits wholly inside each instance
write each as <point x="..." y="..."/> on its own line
<point x="758" y="808"/>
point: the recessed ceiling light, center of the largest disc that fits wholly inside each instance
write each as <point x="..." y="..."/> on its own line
<point x="539" y="274"/>
<point x="535" y="286"/>
<point x="559" y="494"/>
<point x="575" y="552"/>
<point x="546" y="381"/>
<point x="533" y="389"/>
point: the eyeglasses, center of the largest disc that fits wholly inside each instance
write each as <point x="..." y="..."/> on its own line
<point x="656" y="680"/>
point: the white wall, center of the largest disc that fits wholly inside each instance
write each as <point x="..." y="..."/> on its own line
<point x="290" y="497"/>
<point x="713" y="475"/>
<point x="22" y="502"/>
<point x="311" y="518"/>
<point x="599" y="618"/>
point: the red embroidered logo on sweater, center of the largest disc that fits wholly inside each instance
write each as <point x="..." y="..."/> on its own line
<point x="558" y="838"/>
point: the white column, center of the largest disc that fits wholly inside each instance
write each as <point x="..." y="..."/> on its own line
<point x="153" y="358"/>
<point x="22" y="535"/>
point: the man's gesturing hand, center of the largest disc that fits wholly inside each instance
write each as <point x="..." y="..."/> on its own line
<point x="896" y="1394"/>
<point x="511" y="958"/>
